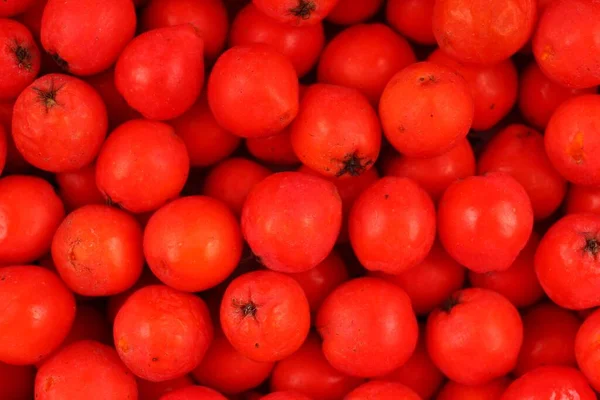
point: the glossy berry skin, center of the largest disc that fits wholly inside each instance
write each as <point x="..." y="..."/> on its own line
<point x="276" y="149"/>
<point x="426" y="109"/>
<point x="16" y="381"/>
<point x="161" y="72"/>
<point x="97" y="250"/>
<point x="336" y="132"/>
<point x="265" y="315"/>
<point x="206" y="142"/>
<point x="431" y="282"/>
<point x="287" y="395"/>
<point x="38" y="314"/>
<point x="320" y="281"/>
<point x="301" y="44"/>
<point x="349" y="12"/>
<point x="142" y="165"/>
<point x="382" y="390"/>
<point x="193" y="393"/>
<point x="518" y="150"/>
<point x="86" y="368"/>
<point x="368" y="327"/>
<point x="3" y="148"/>
<point x="434" y="174"/>
<point x="30" y="212"/>
<point x="291" y="221"/>
<point x="494" y="87"/>
<point x="19" y="58"/>
<point x="162" y="334"/>
<point x="412" y="18"/>
<point x="519" y="283"/>
<point x="296" y="12"/>
<point x="479" y="32"/>
<point x="193" y="243"/>
<point x="572" y="139"/>
<point x="91" y="48"/>
<point x="564" y="43"/>
<point x="253" y="91"/>
<point x="566" y="261"/>
<point x="392" y="225"/>
<point x="232" y="180"/>
<point x="492" y="390"/>
<point x="209" y="18"/>
<point x="419" y="373"/>
<point x="59" y="123"/>
<point x="485" y="221"/>
<point x="376" y="53"/>
<point x="228" y="371"/>
<point x="539" y="96"/>
<point x="586" y="349"/>
<point x="466" y="325"/>
<point x="550" y="382"/>
<point x="548" y="339"/>
<point x="78" y="188"/>
<point x="582" y="199"/>
<point x="307" y="371"/>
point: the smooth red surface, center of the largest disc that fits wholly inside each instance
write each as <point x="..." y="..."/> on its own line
<point x="348" y="12"/>
<point x="161" y="72"/>
<point x="336" y="131"/>
<point x="285" y="396"/>
<point x="539" y="96"/>
<point x="193" y="393"/>
<point x="291" y="221"/>
<point x="519" y="283"/>
<point x="59" y="123"/>
<point x="582" y="199"/>
<point x="85" y="369"/>
<point x="30" y="212"/>
<point x="11" y="8"/>
<point x="265" y="315"/>
<point x="232" y="180"/>
<point x="154" y="390"/>
<point x="19" y="58"/>
<point x="550" y="382"/>
<point x="320" y="281"/>
<point x="209" y="18"/>
<point x="162" y="334"/>
<point x="459" y="336"/>
<point x="392" y="225"/>
<point x="432" y="281"/>
<point x="78" y="188"/>
<point x="365" y="57"/>
<point x="368" y="327"/>
<point x="253" y="91"/>
<point x="97" y="250"/>
<point x="565" y="43"/>
<point x="494" y="88"/>
<point x="488" y="391"/>
<point x="307" y="371"/>
<point x="3" y="148"/>
<point x="276" y="149"/>
<point x="382" y="391"/>
<point x="485" y="221"/>
<point x="566" y="261"/>
<point x="90" y="48"/>
<point x="434" y="174"/>
<point x="548" y="339"/>
<point x="412" y="18"/>
<point x="228" y="371"/>
<point x="207" y="143"/>
<point x="296" y="12"/>
<point x="586" y="349"/>
<point x="38" y="313"/>
<point x="572" y="139"/>
<point x="301" y="44"/>
<point x="193" y="243"/>
<point x="426" y="97"/>
<point x="518" y="150"/>
<point x="480" y="32"/>
<point x="16" y="381"/>
<point x="142" y="165"/>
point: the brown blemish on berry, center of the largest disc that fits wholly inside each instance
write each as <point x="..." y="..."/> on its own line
<point x="304" y="9"/>
<point x="547" y="53"/>
<point x="48" y="383"/>
<point x="575" y="149"/>
<point x="123" y="345"/>
<point x="353" y="165"/>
